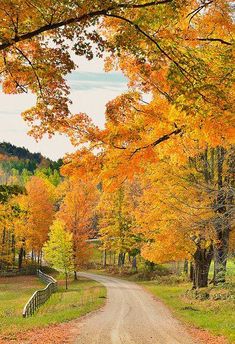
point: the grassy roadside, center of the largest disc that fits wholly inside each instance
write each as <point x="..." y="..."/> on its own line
<point x="216" y="316"/>
<point x="82" y="297"/>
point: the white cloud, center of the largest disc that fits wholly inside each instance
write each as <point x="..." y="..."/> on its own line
<point x="96" y="65"/>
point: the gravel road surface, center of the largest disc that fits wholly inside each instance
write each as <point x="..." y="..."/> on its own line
<point x="130" y="316"/>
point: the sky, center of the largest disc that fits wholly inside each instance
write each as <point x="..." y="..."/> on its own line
<point x="91" y="89"/>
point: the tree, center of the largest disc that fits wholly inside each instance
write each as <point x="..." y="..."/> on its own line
<point x="77" y="211"/>
<point x="116" y="223"/>
<point x="58" y="250"/>
<point x="37" y="205"/>
<point x="7" y="248"/>
<point x="217" y="167"/>
<point x="178" y="212"/>
<point x="9" y="215"/>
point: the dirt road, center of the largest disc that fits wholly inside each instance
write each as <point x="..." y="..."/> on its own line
<point x="131" y="316"/>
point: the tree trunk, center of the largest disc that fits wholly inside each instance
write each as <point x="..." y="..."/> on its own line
<point x="13" y="249"/>
<point x="75" y="275"/>
<point x="134" y="263"/>
<point x="121" y="259"/>
<point x="191" y="272"/>
<point x="104" y="258"/>
<point x="40" y="263"/>
<point x="66" y="280"/>
<point x="221" y="247"/>
<point x="20" y="260"/>
<point x="186" y="267"/>
<point x="223" y="207"/>
<point x="202" y="261"/>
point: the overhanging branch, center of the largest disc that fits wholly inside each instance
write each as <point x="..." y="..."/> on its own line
<point x="158" y="141"/>
<point x="53" y="26"/>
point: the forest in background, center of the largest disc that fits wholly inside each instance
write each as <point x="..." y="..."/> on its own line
<point x="35" y="202"/>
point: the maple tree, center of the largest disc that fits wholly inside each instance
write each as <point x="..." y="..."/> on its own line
<point x="7" y="249"/>
<point x="37" y="214"/>
<point x="175" y="217"/>
<point x="77" y="211"/>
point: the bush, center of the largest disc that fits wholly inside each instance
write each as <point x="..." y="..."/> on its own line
<point x="27" y="270"/>
<point x="212" y="293"/>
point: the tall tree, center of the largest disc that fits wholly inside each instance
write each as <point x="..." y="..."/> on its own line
<point x="116" y="223"/>
<point x="38" y="208"/>
<point x="77" y="210"/>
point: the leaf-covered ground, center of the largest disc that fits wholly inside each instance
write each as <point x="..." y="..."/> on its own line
<point x="52" y="334"/>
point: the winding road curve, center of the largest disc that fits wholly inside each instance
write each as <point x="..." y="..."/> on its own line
<point x="130" y="316"/>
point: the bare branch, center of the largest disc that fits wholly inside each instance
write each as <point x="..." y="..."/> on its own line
<point x="214" y="40"/>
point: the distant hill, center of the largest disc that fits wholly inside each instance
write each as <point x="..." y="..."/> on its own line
<point x="7" y="148"/>
<point x="17" y="163"/>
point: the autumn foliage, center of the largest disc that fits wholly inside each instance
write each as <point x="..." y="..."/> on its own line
<point x="77" y="212"/>
<point x="159" y="178"/>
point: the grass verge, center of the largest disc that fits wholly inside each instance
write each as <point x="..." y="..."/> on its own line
<point x="216" y="316"/>
<point x="83" y="296"/>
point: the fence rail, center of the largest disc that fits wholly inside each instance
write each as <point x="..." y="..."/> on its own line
<point x="40" y="296"/>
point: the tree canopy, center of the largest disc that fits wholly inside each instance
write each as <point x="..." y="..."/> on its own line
<point x="167" y="39"/>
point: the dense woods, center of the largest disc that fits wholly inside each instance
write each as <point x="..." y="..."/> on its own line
<point x="158" y="180"/>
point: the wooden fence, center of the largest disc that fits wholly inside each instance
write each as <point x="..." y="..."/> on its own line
<point x="40" y="296"/>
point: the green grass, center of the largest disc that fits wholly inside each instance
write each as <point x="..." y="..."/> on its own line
<point x="82" y="297"/>
<point x="230" y="270"/>
<point x="216" y="316"/>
